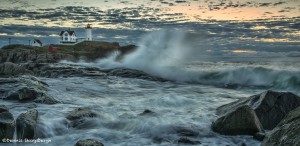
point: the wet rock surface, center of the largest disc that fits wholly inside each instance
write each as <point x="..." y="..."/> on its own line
<point x="79" y="113"/>
<point x="22" y="54"/>
<point x="79" y="117"/>
<point x="88" y="142"/>
<point x="26" y="124"/>
<point x="270" y="107"/>
<point x="131" y="73"/>
<point x="25" y="89"/>
<point x="10" y="69"/>
<point x="7" y="125"/>
<point x="242" y="121"/>
<point x="286" y="132"/>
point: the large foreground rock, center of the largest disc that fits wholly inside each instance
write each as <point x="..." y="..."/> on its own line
<point x="7" y="125"/>
<point x="287" y="132"/>
<point x="88" y="142"/>
<point x="270" y="107"/>
<point x="242" y="121"/>
<point x="25" y="88"/>
<point x="26" y="124"/>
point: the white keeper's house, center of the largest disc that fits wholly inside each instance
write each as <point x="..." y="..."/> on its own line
<point x="37" y="43"/>
<point x="69" y="36"/>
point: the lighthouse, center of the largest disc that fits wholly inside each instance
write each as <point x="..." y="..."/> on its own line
<point x="89" y="32"/>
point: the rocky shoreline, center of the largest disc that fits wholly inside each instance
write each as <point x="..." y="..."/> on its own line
<point x="271" y="117"/>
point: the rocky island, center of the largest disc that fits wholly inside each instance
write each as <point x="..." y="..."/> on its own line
<point x="86" y="50"/>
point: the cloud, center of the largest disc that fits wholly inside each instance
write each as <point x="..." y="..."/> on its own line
<point x="287" y="9"/>
<point x="180" y="1"/>
<point x="279" y="3"/>
<point x="264" y="4"/>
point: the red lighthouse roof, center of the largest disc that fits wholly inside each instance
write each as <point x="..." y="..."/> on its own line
<point x="89" y="26"/>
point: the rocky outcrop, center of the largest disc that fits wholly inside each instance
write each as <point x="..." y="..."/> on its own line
<point x="286" y="132"/>
<point x="131" y="73"/>
<point x="78" y="116"/>
<point x="88" y="142"/>
<point x="10" y="69"/>
<point x="24" y="89"/>
<point x="64" y="70"/>
<point x="23" y="54"/>
<point x="91" y="50"/>
<point x="7" y="125"/>
<point x="270" y="107"/>
<point x="242" y="121"/>
<point x="26" y="124"/>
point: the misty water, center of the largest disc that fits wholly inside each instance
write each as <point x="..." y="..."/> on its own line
<point x="188" y="100"/>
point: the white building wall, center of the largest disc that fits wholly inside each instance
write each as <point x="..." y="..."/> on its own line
<point x="36" y="44"/>
<point x="89" y="34"/>
<point x="66" y="37"/>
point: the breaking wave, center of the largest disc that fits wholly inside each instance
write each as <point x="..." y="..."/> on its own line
<point x="253" y="77"/>
<point x="165" y="54"/>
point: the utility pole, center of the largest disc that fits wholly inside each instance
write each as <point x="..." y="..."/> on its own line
<point x="9" y="41"/>
<point x="28" y="42"/>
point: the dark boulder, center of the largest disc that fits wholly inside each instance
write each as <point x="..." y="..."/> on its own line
<point x="287" y="132"/>
<point x="26" y="124"/>
<point x="7" y="125"/>
<point x="132" y="73"/>
<point x="88" y="142"/>
<point x="55" y="70"/>
<point x="270" y="107"/>
<point x="79" y="117"/>
<point x="23" y="94"/>
<point x="46" y="99"/>
<point x="79" y="113"/>
<point x="147" y="112"/>
<point x="242" y="121"/>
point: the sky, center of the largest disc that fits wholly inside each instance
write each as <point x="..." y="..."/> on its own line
<point x="125" y="21"/>
<point x="126" y="13"/>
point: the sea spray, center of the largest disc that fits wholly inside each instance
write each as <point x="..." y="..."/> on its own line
<point x="167" y="54"/>
<point x="160" y="53"/>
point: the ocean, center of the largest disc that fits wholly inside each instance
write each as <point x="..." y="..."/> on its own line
<point x="198" y="80"/>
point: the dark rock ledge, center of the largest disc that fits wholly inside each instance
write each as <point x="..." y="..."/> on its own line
<point x="265" y="111"/>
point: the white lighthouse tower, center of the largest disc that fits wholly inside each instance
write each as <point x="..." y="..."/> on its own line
<point x="89" y="32"/>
